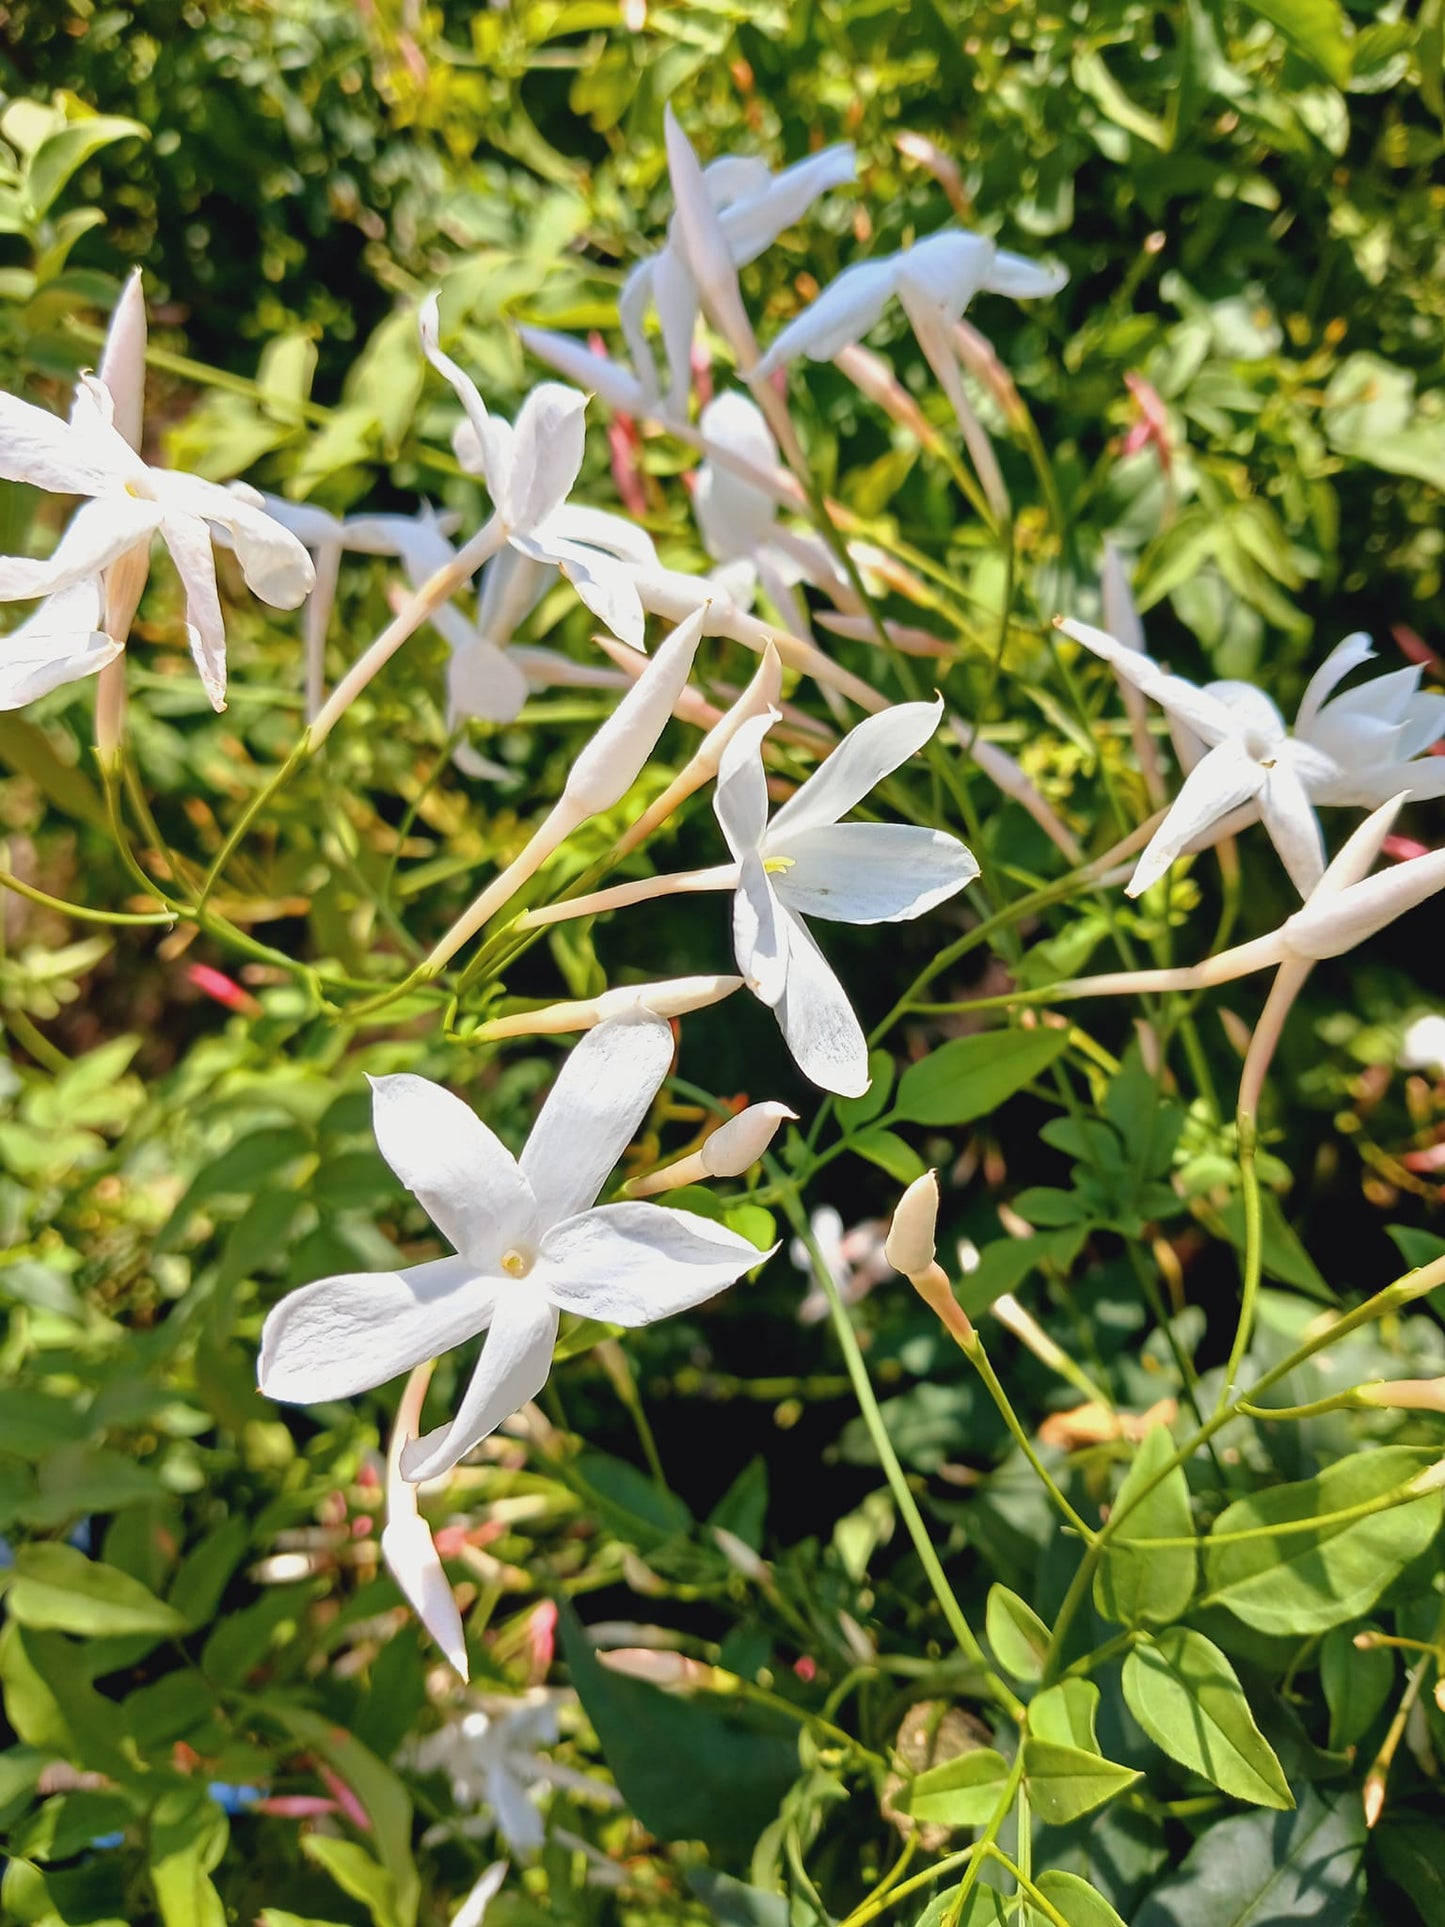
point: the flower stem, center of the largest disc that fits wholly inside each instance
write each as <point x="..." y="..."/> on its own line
<point x="1253" y="1254"/>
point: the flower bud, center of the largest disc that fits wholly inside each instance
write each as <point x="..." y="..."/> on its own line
<point x="1404" y="1394"/>
<point x="671" y="997"/>
<point x="596" y="374"/>
<point x="611" y="763"/>
<point x="737" y="1145"/>
<point x="910" y="1244"/>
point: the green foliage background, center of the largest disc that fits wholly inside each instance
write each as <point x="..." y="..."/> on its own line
<point x="1249" y="200"/>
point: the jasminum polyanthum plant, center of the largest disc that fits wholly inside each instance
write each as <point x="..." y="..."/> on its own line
<point x="844" y="735"/>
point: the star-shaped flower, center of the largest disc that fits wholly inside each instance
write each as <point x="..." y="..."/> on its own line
<point x="530" y="469"/>
<point x="1353" y="749"/>
<point x="129" y="502"/>
<point x="530" y="1240"/>
<point x="492" y="1760"/>
<point x="935" y="280"/>
<point x="806" y="862"/>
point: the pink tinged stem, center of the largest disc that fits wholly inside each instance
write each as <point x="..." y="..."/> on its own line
<point x="436" y="590"/>
<point x="1257" y="1059"/>
<point x="319" y="605"/>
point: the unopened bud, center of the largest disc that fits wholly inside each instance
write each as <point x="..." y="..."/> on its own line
<point x="611" y="763"/>
<point x="597" y="374"/>
<point x="912" y="1236"/>
<point x="730" y="1150"/>
<point x="1404" y="1394"/>
<point x="740" y="1555"/>
<point x="672" y="997"/>
<point x="1373" y="1798"/>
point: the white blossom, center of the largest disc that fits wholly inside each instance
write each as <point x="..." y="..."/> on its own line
<point x="129" y="502"/>
<point x="406" y="1542"/>
<point x="530" y="1240"/>
<point x="806" y="862"/>
<point x="854" y="1260"/>
<point x="1357" y="748"/>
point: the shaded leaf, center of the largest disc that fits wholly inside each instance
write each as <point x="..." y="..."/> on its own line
<point x="1186" y="1696"/>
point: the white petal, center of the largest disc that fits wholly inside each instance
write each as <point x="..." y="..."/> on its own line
<point x="1121" y="616"/>
<point x="316" y="527"/>
<point x="674" y="295"/>
<point x="734" y="517"/>
<point x="1206" y="715"/>
<point x="599" y="529"/>
<point x="473" y="1909"/>
<point x="755" y="221"/>
<point x="592" y="1112"/>
<point x="595" y="374"/>
<point x="459" y="1171"/>
<point x="189" y="540"/>
<point x="61" y="642"/>
<point x="872" y="872"/>
<point x="1024" y="279"/>
<point x="865" y="756"/>
<point x="484" y="681"/>
<point x="844" y="312"/>
<point x="696" y="243"/>
<point x="1226" y="777"/>
<point x="740" y="799"/>
<point x="37" y="447"/>
<point x="512" y="585"/>
<point x="1344" y="657"/>
<point x="602" y="583"/>
<point x="633" y="302"/>
<point x="818" y="1022"/>
<point x="548" y="442"/>
<point x="273" y="561"/>
<point x="406" y="1542"/>
<point x="516" y="1358"/>
<point x="946" y="270"/>
<point x="123" y="360"/>
<point x="1358" y="853"/>
<point x="631" y="1263"/>
<point x="517" y="1818"/>
<point x="346" y="1334"/>
<point x="760" y="932"/>
<point x="493" y="447"/>
<point x="1293" y="827"/>
<point x="97" y="534"/>
<point x="614" y="758"/>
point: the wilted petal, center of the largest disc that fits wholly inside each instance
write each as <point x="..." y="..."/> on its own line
<point x="516" y="1358"/>
<point x="548" y="441"/>
<point x="458" y="1170"/>
<point x="1024" y="279"/>
<point x="37" y="447"/>
<point x="877" y="747"/>
<point x="631" y="1263"/>
<point x="61" y="642"/>
<point x="818" y="1022"/>
<point x="97" y="534"/>
<point x="1223" y="779"/>
<point x="872" y="872"/>
<point x="189" y="542"/>
<point x="406" y="1542"/>
<point x="346" y="1334"/>
<point x="844" y="312"/>
<point x="760" y="931"/>
<point x="740" y="799"/>
<point x="1293" y="827"/>
<point x="592" y="1112"/>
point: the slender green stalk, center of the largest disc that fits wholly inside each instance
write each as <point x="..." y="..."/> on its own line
<point x="1253" y="1254"/>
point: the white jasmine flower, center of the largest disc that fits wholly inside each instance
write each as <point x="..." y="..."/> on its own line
<point x="406" y="1542"/>
<point x="855" y="1260"/>
<point x="492" y="1761"/>
<point x="63" y="640"/>
<point x="935" y="280"/>
<point x="1348" y="750"/>
<point x="806" y="862"/>
<point x="753" y="207"/>
<point x="530" y="469"/>
<point x="531" y="1243"/>
<point x="130" y="501"/>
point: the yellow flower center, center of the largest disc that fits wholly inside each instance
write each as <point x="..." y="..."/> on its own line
<point x="776" y="865"/>
<point x="516" y="1263"/>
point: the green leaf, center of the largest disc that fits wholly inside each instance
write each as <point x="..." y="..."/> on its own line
<point x="1315" y="1575"/>
<point x="1281" y="1253"/>
<point x="853" y="1111"/>
<point x="743" y="1508"/>
<point x="631" y="1502"/>
<point x="890" y="1153"/>
<point x="1066" y="1781"/>
<point x="1079" y="1903"/>
<point x="689" y="1769"/>
<point x="1019" y="1638"/>
<point x="1006" y="1262"/>
<point x="380" y="1791"/>
<point x="357" y="1874"/>
<point x="188" y="1835"/>
<point x="1066" y="1713"/>
<point x="1356" y="1685"/>
<point x="970" y="1077"/>
<point x="1149" y="1586"/>
<point x="65" y="153"/>
<point x="1316" y="28"/>
<point x="1409" y="1851"/>
<point x="961" y="1792"/>
<point x="57" y="1589"/>
<point x="1184" y="1693"/>
<point x="1266" y="1869"/>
